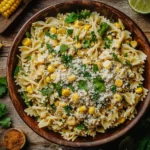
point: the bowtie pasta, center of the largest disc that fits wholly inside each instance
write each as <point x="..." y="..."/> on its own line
<point x="80" y="73"/>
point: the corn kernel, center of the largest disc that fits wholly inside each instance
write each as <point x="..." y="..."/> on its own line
<point x="55" y="43"/>
<point x="107" y="64"/>
<point x="51" y="69"/>
<point x="91" y="110"/>
<point x="62" y="67"/>
<point x="78" y="45"/>
<point x="29" y="89"/>
<point x="118" y="83"/>
<point x="80" y="53"/>
<point x="53" y="30"/>
<point x="117" y="97"/>
<point x="71" y="78"/>
<point x="109" y="37"/>
<point x="92" y="43"/>
<point x="121" y="120"/>
<point x="77" y="23"/>
<point x="53" y="76"/>
<point x="75" y="97"/>
<point x="71" y="121"/>
<point x="48" y="79"/>
<point x="82" y="108"/>
<point x="26" y="42"/>
<point x="57" y="103"/>
<point x="117" y="69"/>
<point x="50" y="56"/>
<point x="87" y="27"/>
<point x="65" y="92"/>
<point x="62" y="104"/>
<point x="133" y="44"/>
<point x="117" y="25"/>
<point x="139" y="90"/>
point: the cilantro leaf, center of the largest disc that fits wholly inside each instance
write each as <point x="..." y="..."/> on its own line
<point x="84" y="14"/>
<point x="113" y="88"/>
<point x="95" y="68"/>
<point x="86" y="74"/>
<point x="66" y="59"/>
<point x="18" y="68"/>
<point x="28" y="34"/>
<point x="46" y="91"/>
<point x="2" y="90"/>
<point x="93" y="37"/>
<point x="71" y="18"/>
<point x="99" y="84"/>
<point x="80" y="126"/>
<point x="127" y="63"/>
<point x="95" y="96"/>
<point x="71" y="87"/>
<point x="86" y="43"/>
<point x="53" y="106"/>
<point x="50" y="49"/>
<point x="107" y="42"/>
<point x="29" y="57"/>
<point x="52" y="36"/>
<point x="24" y="96"/>
<point x="116" y="58"/>
<point x="69" y="31"/>
<point x="104" y="27"/>
<point x="57" y="87"/>
<point x="82" y="85"/>
<point x="67" y="109"/>
<point x="5" y="122"/>
<point x="125" y="55"/>
<point x="3" y="110"/>
<point x="3" y="81"/>
<point x="63" y="48"/>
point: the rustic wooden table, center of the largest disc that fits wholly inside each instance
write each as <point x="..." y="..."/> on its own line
<point x="34" y="141"/>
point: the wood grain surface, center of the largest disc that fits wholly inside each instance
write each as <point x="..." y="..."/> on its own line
<point x="35" y="142"/>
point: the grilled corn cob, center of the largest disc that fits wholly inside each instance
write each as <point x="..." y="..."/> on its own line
<point x="7" y="7"/>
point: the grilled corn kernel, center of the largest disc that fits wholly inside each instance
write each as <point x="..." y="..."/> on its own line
<point x="26" y="42"/>
<point x="78" y="45"/>
<point x="91" y="110"/>
<point x="107" y="64"/>
<point x="57" y="103"/>
<point x="51" y="69"/>
<point x="87" y="27"/>
<point x="121" y="120"/>
<point x="53" y="30"/>
<point x="53" y="76"/>
<point x="71" y="78"/>
<point x="62" y="104"/>
<point x="82" y="108"/>
<point x="29" y="89"/>
<point x="139" y="90"/>
<point x="110" y="37"/>
<point x="133" y="44"/>
<point x="118" y="83"/>
<point x="80" y="53"/>
<point x="55" y="43"/>
<point x="75" y="97"/>
<point x="117" y="97"/>
<point x="117" y="25"/>
<point x="65" y="92"/>
<point x="77" y="23"/>
<point x="61" y="31"/>
<point x="71" y="121"/>
<point x="92" y="43"/>
<point x="48" y="79"/>
<point x="117" y="69"/>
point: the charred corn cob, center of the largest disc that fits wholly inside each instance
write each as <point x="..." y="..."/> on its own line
<point x="7" y="7"/>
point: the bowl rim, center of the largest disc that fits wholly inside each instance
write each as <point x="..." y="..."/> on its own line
<point x="57" y="140"/>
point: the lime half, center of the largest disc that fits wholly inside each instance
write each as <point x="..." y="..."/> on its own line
<point x="140" y="6"/>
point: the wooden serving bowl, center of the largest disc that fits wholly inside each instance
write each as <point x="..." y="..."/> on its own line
<point x="108" y="12"/>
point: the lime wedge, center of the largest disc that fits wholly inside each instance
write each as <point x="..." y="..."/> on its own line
<point x="140" y="6"/>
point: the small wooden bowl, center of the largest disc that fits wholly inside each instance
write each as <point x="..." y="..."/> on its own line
<point x="108" y="12"/>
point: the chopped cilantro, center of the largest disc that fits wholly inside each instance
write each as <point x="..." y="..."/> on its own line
<point x="93" y="37"/>
<point x="95" y="68"/>
<point x="127" y="63"/>
<point x="125" y="55"/>
<point x="53" y="106"/>
<point x="84" y="14"/>
<point x="67" y="109"/>
<point x="86" y="74"/>
<point x="63" y="48"/>
<point x="3" y="110"/>
<point x="50" y="49"/>
<point x="116" y="58"/>
<point x="52" y="36"/>
<point x="3" y="81"/>
<point x="5" y="122"/>
<point x="71" y="18"/>
<point x="99" y="84"/>
<point x="80" y="126"/>
<point x="27" y="102"/>
<point x="28" y="34"/>
<point x="66" y="59"/>
<point x="69" y="31"/>
<point x="46" y="91"/>
<point x="18" y="68"/>
<point x="107" y="42"/>
<point x="29" y="57"/>
<point x="86" y="43"/>
<point x="82" y="85"/>
<point x="77" y="38"/>
<point x="95" y="96"/>
<point x="83" y="67"/>
<point x="71" y="87"/>
<point x="104" y="27"/>
<point x="113" y="88"/>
